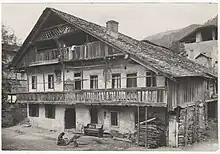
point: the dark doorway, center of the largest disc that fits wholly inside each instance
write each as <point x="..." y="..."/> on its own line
<point x="94" y="115"/>
<point x="70" y="118"/>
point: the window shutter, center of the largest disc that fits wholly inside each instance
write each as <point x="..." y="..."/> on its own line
<point x="37" y="110"/>
<point x="53" y="112"/>
<point x="46" y="111"/>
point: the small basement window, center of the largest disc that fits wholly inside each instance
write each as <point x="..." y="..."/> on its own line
<point x="33" y="110"/>
<point x="114" y="118"/>
<point x="50" y="111"/>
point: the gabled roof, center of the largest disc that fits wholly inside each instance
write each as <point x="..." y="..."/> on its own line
<point x="154" y="57"/>
<point x="202" y="54"/>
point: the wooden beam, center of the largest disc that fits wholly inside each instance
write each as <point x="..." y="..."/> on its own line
<point x="52" y="27"/>
<point x="146" y="135"/>
<point x="34" y="33"/>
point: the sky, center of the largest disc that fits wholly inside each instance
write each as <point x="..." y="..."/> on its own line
<point x="136" y="20"/>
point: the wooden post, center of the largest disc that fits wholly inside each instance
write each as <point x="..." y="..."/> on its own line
<point x="138" y="112"/>
<point x="82" y="74"/>
<point x="146" y="136"/>
<point x="27" y="80"/>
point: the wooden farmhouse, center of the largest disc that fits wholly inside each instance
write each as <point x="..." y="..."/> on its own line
<point x="79" y="72"/>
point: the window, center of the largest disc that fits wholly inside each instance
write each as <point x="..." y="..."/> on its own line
<point x="50" y="111"/>
<point x="114" y="118"/>
<point x="77" y="81"/>
<point x="94" y="82"/>
<point x="34" y="110"/>
<point x="132" y="80"/>
<point x="34" y="82"/>
<point x="150" y="79"/>
<point x="50" y="81"/>
<point x="77" y="74"/>
<point x="116" y="81"/>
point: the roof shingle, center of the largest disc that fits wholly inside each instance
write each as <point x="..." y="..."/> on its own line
<point x="149" y="54"/>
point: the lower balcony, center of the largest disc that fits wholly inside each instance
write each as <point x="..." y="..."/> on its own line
<point x="127" y="96"/>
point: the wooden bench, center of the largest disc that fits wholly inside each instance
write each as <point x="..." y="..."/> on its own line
<point x="93" y="130"/>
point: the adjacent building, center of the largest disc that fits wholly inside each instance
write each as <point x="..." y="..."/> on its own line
<point x="79" y="72"/>
<point x="202" y="45"/>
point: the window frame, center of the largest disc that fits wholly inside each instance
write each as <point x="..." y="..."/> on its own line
<point x="94" y="83"/>
<point x="153" y="79"/>
<point x="131" y="78"/>
<point x="34" y="82"/>
<point x="50" y="114"/>
<point x="33" y="107"/>
<point x="116" y="119"/>
<point x="78" y="79"/>
<point x="117" y="80"/>
<point x="50" y="84"/>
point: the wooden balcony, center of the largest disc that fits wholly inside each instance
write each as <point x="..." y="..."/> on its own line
<point x="126" y="96"/>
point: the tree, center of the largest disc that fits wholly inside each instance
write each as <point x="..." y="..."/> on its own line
<point x="178" y="48"/>
<point x="8" y="38"/>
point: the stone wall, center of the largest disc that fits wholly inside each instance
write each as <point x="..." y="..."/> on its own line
<point x="192" y="124"/>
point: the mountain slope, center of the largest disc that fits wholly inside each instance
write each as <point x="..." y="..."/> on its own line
<point x="166" y="38"/>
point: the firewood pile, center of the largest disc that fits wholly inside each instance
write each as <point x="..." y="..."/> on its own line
<point x="192" y="125"/>
<point x="155" y="135"/>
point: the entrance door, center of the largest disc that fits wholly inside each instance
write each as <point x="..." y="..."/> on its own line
<point x="94" y="115"/>
<point x="70" y="118"/>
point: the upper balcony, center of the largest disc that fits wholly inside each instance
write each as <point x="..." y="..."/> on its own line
<point x="86" y="51"/>
<point x="155" y="96"/>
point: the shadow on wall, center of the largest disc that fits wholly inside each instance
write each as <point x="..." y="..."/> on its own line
<point x="13" y="114"/>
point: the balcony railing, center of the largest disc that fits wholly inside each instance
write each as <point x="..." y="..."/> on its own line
<point x="132" y="95"/>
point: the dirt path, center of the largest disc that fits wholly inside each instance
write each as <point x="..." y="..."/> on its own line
<point x="18" y="138"/>
<point x="29" y="138"/>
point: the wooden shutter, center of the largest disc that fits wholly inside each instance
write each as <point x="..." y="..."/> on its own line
<point x="37" y="110"/>
<point x="46" y="110"/>
<point x="53" y="111"/>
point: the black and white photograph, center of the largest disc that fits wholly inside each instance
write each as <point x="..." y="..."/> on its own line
<point x="110" y="76"/>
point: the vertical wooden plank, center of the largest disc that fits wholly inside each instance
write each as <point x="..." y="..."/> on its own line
<point x="146" y="135"/>
<point x="138" y="112"/>
<point x="82" y="68"/>
<point x="44" y="81"/>
<point x="27" y="80"/>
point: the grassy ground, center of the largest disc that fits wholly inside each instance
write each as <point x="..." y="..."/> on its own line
<point x="30" y="138"/>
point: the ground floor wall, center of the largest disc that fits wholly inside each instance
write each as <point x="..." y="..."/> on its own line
<point x="126" y="117"/>
<point x="53" y="124"/>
